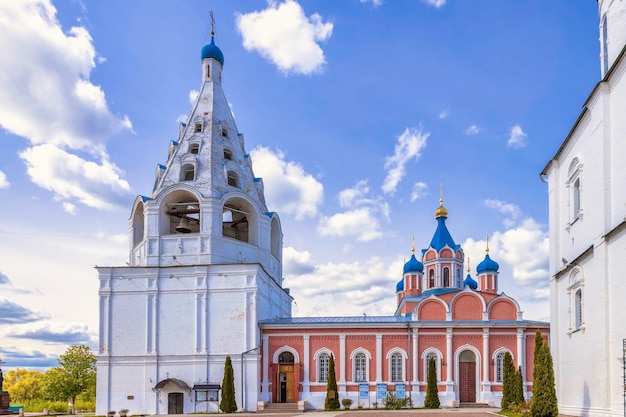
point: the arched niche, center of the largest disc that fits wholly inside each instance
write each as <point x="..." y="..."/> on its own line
<point x="275" y="237"/>
<point x="138" y="223"/>
<point x="179" y="213"/>
<point x="239" y="220"/>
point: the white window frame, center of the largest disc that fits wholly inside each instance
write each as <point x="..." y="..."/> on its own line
<point x="366" y="372"/>
<point x="498" y="364"/>
<point x="438" y="358"/>
<point x="321" y="367"/>
<point x="575" y="186"/>
<point x="576" y="292"/>
<point x="403" y="361"/>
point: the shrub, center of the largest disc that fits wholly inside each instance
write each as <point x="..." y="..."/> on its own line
<point x="393" y="403"/>
<point x="347" y="402"/>
<point x="332" y="396"/>
<point x="432" y="392"/>
<point x="228" y="403"/>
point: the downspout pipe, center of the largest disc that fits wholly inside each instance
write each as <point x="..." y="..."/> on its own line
<point x="243" y="396"/>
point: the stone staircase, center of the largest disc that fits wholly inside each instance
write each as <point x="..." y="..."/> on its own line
<point x="275" y="408"/>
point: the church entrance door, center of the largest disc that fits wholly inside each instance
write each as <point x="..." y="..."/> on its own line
<point x="467" y="377"/>
<point x="286" y="379"/>
<point x="286" y="390"/>
<point x="175" y="403"/>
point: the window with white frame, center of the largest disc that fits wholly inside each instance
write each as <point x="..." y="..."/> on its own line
<point x="605" y="45"/>
<point x="576" y="290"/>
<point x="446" y="277"/>
<point x="322" y="367"/>
<point x="575" y="185"/>
<point x="499" y="366"/>
<point x="431" y="278"/>
<point x="360" y="367"/>
<point x="435" y="355"/>
<point x="397" y="367"/>
<point x="578" y="309"/>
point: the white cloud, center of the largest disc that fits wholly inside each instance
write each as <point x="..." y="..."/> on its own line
<point x="70" y="177"/>
<point x="410" y="145"/>
<point x="375" y="3"/>
<point x="435" y="3"/>
<point x="444" y="114"/>
<point x="420" y="189"/>
<point x="360" y="223"/>
<point x="283" y="34"/>
<point x="4" y="183"/>
<point x="517" y="138"/>
<point x="472" y="130"/>
<point x="48" y="98"/>
<point x="296" y="263"/>
<point x="69" y="208"/>
<point x="522" y="249"/>
<point x="511" y="210"/>
<point x="193" y="95"/>
<point x="362" y="217"/>
<point x="288" y="188"/>
<point x="334" y="283"/>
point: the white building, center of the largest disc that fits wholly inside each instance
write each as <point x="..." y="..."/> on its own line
<point x="205" y="267"/>
<point x="587" y="204"/>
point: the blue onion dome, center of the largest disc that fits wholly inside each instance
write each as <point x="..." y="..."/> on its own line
<point x="487" y="264"/>
<point x="470" y="282"/>
<point x="413" y="265"/>
<point x="400" y="286"/>
<point x="212" y="51"/>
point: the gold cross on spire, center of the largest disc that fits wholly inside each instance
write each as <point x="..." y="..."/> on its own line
<point x="413" y="244"/>
<point x="487" y="239"/>
<point x="468" y="265"/>
<point x="212" y="23"/>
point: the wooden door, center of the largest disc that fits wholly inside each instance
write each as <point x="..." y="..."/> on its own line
<point x="467" y="382"/>
<point x="175" y="403"/>
<point x="290" y="380"/>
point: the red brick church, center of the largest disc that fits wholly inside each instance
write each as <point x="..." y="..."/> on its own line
<point x="465" y="324"/>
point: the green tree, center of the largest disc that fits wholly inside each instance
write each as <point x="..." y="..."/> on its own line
<point x="332" y="396"/>
<point x="75" y="376"/>
<point x="519" y="387"/>
<point x="228" y="403"/>
<point x="508" y="382"/>
<point x="544" y="402"/>
<point x="432" y="392"/>
<point x="23" y="385"/>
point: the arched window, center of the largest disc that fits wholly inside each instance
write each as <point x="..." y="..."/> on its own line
<point x="576" y="198"/>
<point x="233" y="180"/>
<point x="188" y="172"/>
<point x="431" y="278"/>
<point x="458" y="278"/>
<point x="194" y="148"/>
<point x="360" y="367"/>
<point x="427" y="358"/>
<point x="575" y="290"/>
<point x="446" y="277"/>
<point x="575" y="185"/>
<point x="322" y="367"/>
<point x="397" y="367"/>
<point x="605" y="45"/>
<point x="499" y="365"/>
<point x="285" y="357"/>
<point x="578" y="307"/>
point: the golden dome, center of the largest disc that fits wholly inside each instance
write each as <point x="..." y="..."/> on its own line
<point x="441" y="210"/>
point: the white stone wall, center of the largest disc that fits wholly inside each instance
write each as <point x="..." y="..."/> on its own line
<point x="588" y="366"/>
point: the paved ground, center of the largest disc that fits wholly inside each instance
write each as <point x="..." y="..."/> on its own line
<point x="465" y="412"/>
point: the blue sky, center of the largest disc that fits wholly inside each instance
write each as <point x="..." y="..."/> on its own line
<point x="354" y="113"/>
